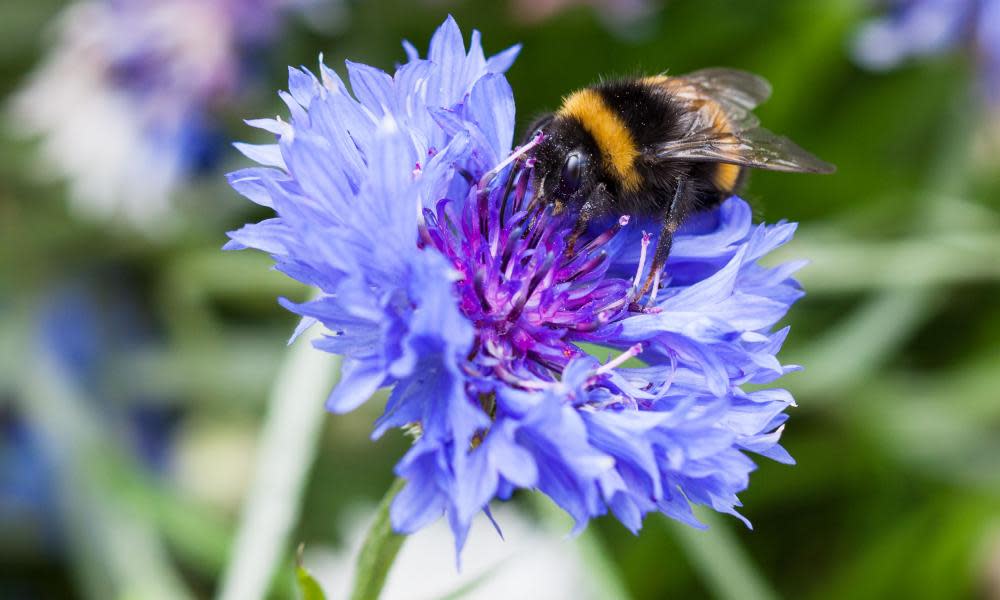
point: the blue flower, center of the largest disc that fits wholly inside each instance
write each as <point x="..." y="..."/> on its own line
<point x="929" y="27"/>
<point x="402" y="203"/>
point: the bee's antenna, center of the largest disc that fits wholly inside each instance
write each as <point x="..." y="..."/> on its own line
<point x="516" y="154"/>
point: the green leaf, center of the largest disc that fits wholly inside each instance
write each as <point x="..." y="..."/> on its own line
<point x="286" y="451"/>
<point x="717" y="555"/>
<point x="309" y="588"/>
<point x="923" y="552"/>
<point x="379" y="550"/>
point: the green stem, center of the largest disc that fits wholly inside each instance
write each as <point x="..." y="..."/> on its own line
<point x="286" y="451"/>
<point x="115" y="553"/>
<point x="379" y="550"/>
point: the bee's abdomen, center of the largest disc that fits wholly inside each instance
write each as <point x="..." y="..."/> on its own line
<point x="727" y="177"/>
<point x="681" y="99"/>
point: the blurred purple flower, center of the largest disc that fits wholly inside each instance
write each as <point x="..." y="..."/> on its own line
<point x="448" y="284"/>
<point x="86" y="324"/>
<point x="915" y="28"/>
<point x="615" y="11"/>
<point x="125" y="100"/>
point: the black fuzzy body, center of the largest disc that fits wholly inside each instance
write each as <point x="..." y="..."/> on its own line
<point x="652" y="116"/>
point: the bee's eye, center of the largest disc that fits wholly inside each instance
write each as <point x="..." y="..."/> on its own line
<point x="572" y="173"/>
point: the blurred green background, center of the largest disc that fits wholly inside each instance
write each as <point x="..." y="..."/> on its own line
<point x="130" y="477"/>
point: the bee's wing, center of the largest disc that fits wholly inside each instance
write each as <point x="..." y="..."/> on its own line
<point x="720" y="126"/>
<point x="736" y="92"/>
<point x="757" y="148"/>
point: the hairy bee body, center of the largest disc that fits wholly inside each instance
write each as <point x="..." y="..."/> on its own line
<point x="639" y="114"/>
<point x="659" y="146"/>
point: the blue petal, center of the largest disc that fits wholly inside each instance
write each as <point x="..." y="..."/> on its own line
<point x="303" y="86"/>
<point x="491" y="105"/>
<point x="502" y="61"/>
<point x="373" y="88"/>
<point x="420" y="502"/>
<point x="248" y="182"/>
<point x="268" y="155"/>
<point x="358" y="381"/>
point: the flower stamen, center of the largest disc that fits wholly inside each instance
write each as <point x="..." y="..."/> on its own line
<point x="656" y="288"/>
<point x="632" y="352"/>
<point x="642" y="265"/>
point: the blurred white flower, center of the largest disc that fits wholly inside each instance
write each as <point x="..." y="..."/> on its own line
<point x="124" y="102"/>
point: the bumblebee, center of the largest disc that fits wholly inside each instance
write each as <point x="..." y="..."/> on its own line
<point x="660" y="147"/>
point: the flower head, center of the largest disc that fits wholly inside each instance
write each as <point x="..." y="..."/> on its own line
<point x="441" y="277"/>
<point x="125" y="102"/>
<point x="928" y="27"/>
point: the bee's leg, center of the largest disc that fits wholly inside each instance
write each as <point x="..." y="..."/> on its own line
<point x="598" y="203"/>
<point x="671" y="223"/>
<point x="579" y="228"/>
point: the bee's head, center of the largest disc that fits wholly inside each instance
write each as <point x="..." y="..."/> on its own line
<point x="566" y="167"/>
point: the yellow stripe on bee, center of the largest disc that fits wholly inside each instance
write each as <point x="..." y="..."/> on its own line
<point x="613" y="138"/>
<point x="726" y="176"/>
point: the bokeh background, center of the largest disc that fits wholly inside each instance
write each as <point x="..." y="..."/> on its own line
<point x="138" y="361"/>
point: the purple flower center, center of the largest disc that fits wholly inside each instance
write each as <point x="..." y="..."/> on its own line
<point x="529" y="290"/>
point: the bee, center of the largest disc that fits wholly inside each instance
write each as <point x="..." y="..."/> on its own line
<point x="660" y="147"/>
